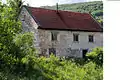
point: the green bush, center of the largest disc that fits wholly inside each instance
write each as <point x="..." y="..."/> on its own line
<point x="69" y="70"/>
<point x="54" y="68"/>
<point x="93" y="72"/>
<point x="96" y="56"/>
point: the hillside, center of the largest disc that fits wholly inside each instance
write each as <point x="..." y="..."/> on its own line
<point x="95" y="8"/>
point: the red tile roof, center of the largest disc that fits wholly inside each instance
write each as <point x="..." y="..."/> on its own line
<point x="64" y="20"/>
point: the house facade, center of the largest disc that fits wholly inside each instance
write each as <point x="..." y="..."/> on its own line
<point x="62" y="33"/>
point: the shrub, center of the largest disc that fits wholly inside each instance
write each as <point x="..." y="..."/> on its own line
<point x="54" y="68"/>
<point x="93" y="72"/>
<point x="96" y="56"/>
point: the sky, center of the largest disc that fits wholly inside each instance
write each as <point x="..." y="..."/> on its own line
<point x="38" y="3"/>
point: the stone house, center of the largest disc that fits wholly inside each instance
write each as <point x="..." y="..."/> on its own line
<point x="62" y="33"/>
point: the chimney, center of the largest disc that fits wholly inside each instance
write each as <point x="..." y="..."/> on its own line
<point x="28" y="5"/>
<point x="57" y="7"/>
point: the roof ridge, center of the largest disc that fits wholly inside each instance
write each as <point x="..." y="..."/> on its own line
<point x="58" y="10"/>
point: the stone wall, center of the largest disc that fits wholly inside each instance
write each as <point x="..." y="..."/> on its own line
<point x="65" y="46"/>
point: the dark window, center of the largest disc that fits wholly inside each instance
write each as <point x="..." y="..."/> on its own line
<point x="91" y="38"/>
<point x="75" y="37"/>
<point x="52" y="51"/>
<point x="54" y="36"/>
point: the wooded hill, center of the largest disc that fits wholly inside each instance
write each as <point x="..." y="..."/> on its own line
<point x="95" y="8"/>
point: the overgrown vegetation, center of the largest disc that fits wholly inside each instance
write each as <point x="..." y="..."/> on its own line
<point x="95" y="8"/>
<point x="54" y="68"/>
<point x="18" y="60"/>
<point x="96" y="56"/>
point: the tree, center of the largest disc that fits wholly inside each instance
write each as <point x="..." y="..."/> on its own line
<point x="14" y="45"/>
<point x="16" y="5"/>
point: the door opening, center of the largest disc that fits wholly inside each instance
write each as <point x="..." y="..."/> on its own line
<point x="52" y="51"/>
<point x="84" y="51"/>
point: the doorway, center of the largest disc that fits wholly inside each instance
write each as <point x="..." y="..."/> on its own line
<point x="84" y="51"/>
<point x="52" y="51"/>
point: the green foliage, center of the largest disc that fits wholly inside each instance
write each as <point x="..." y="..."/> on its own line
<point x="16" y="5"/>
<point x="62" y="69"/>
<point x="26" y="46"/>
<point x="14" y="45"/>
<point x="97" y="13"/>
<point x="54" y="68"/>
<point x="93" y="72"/>
<point x="9" y="76"/>
<point x="8" y="28"/>
<point x="96" y="56"/>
